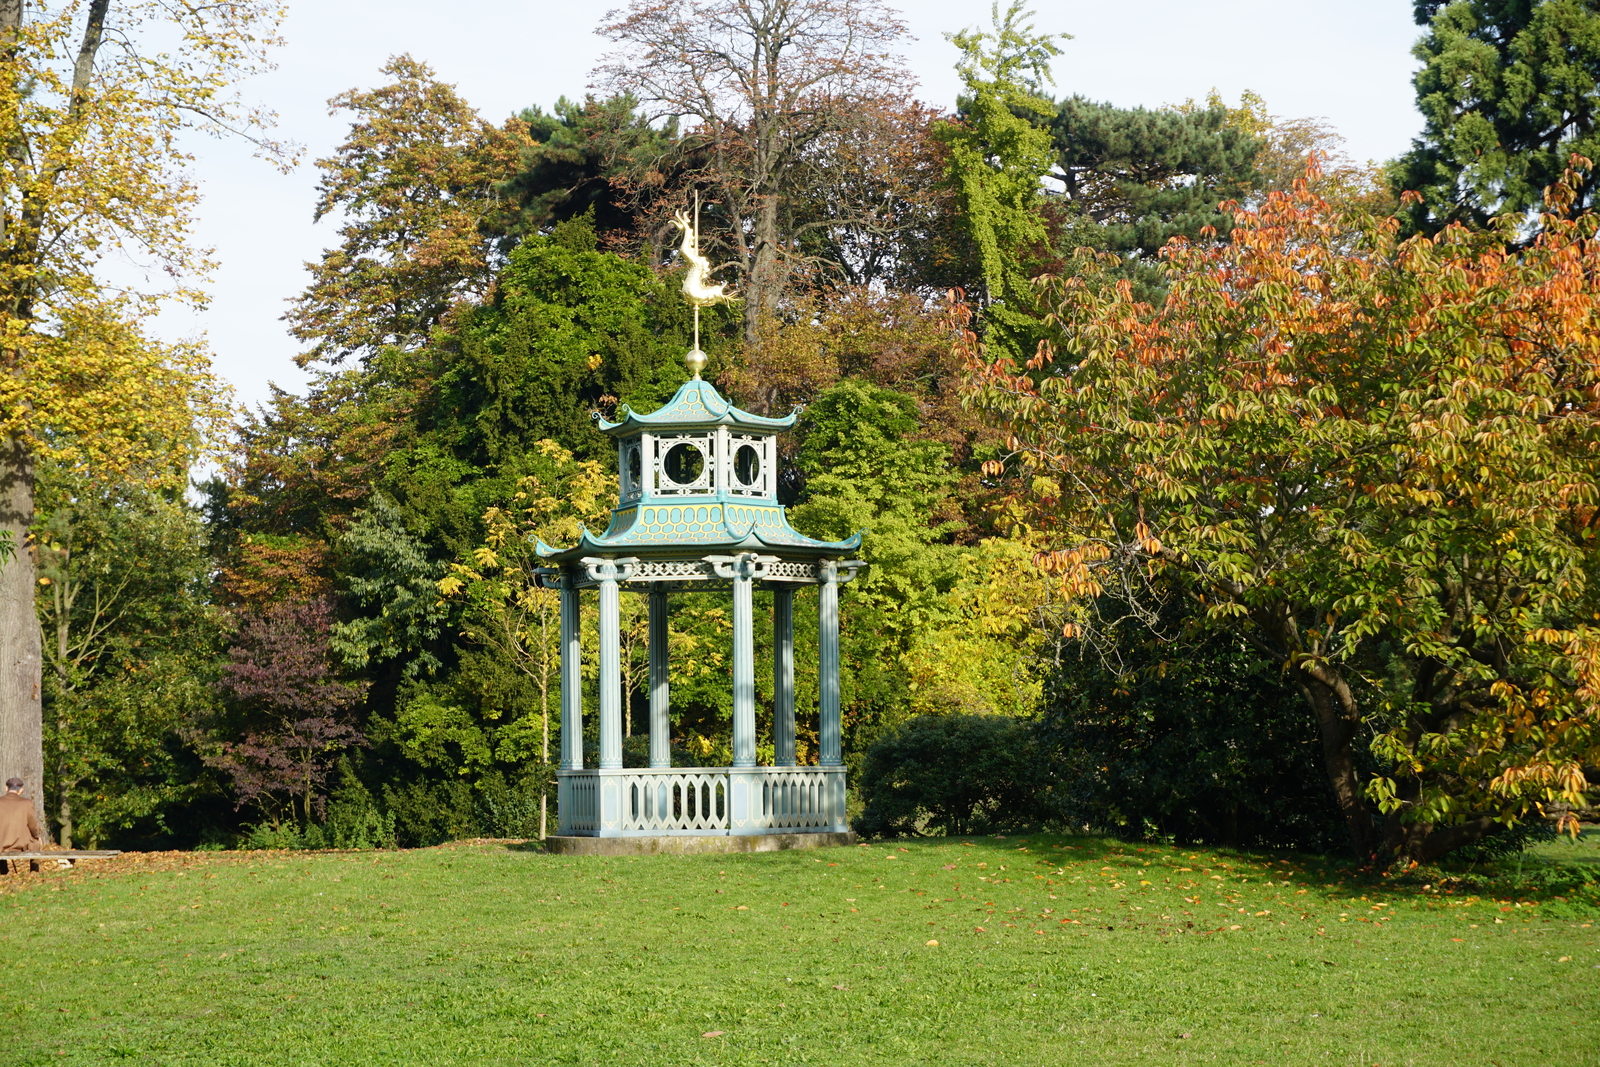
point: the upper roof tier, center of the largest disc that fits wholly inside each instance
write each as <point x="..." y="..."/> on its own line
<point x="696" y="405"/>
<point x="688" y="491"/>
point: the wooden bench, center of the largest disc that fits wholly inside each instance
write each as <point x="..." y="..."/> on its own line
<point x="63" y="858"/>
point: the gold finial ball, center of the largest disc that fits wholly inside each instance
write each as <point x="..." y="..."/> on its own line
<point x="695" y="361"/>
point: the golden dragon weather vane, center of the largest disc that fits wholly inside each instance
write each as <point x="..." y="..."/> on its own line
<point x="698" y="288"/>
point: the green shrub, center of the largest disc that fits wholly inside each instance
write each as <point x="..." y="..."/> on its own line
<point x="272" y="835"/>
<point x="951" y="774"/>
<point x="353" y="819"/>
<point x="511" y="808"/>
<point x="1197" y="741"/>
<point x="430" y="812"/>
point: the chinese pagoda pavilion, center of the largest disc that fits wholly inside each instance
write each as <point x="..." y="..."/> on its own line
<point x="698" y="511"/>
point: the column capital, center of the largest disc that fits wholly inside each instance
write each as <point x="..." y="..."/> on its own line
<point x="554" y="578"/>
<point x="838" y="570"/>
<point x="745" y="565"/>
<point x="601" y="569"/>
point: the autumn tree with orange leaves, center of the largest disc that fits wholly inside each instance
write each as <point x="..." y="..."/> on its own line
<point x="1378" y="462"/>
<point x="416" y="182"/>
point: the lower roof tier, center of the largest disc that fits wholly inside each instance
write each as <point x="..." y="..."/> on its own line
<point x="693" y="527"/>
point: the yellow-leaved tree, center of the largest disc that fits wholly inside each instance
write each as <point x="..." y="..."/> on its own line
<point x="96" y="98"/>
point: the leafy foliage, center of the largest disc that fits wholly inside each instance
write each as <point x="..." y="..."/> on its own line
<point x="391" y="587"/>
<point x="953" y="774"/>
<point x="127" y="634"/>
<point x="1374" y="461"/>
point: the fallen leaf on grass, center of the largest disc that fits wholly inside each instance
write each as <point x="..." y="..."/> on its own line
<point x="713" y="1033"/>
<point x="839" y="987"/>
<point x="1458" y="939"/>
<point x="949" y="867"/>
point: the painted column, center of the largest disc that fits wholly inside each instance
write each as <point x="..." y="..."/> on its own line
<point x="744" y="664"/>
<point x="747" y="798"/>
<point x="606" y="573"/>
<point x="571" y="679"/>
<point x="660" y="723"/>
<point x="783" y="675"/>
<point x="610" y="668"/>
<point x="828" y="664"/>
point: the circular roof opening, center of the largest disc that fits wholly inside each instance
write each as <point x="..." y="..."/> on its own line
<point x="683" y="464"/>
<point x="635" y="465"/>
<point x="747" y="465"/>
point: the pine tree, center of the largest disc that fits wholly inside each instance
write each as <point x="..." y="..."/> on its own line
<point x="601" y="155"/>
<point x="1136" y="177"/>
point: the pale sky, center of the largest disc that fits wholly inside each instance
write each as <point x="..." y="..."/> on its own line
<point x="1347" y="61"/>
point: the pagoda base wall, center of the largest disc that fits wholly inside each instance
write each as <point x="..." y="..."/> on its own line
<point x="695" y="845"/>
<point x="701" y="801"/>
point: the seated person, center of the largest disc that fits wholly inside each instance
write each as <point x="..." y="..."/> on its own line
<point x="19" y="826"/>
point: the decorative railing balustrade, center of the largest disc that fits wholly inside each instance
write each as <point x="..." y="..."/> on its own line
<point x="641" y="802"/>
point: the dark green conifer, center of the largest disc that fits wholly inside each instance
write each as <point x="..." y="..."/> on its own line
<point x="1509" y="93"/>
<point x="1135" y="178"/>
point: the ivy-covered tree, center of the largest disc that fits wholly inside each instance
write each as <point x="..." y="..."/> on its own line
<point x="999" y="154"/>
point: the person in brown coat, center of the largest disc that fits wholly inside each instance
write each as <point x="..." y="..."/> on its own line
<point x="19" y="826"/>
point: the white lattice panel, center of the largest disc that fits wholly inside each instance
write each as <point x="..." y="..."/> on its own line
<point x="800" y="800"/>
<point x="675" y="802"/>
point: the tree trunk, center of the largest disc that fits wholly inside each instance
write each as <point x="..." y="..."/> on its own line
<point x="64" y="815"/>
<point x="21" y="715"/>
<point x="1337" y="720"/>
<point x="766" y="270"/>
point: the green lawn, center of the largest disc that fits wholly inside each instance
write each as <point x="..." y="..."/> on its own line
<point x="1050" y="951"/>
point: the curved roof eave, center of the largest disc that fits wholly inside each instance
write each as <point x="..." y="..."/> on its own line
<point x="588" y="544"/>
<point x="696" y="404"/>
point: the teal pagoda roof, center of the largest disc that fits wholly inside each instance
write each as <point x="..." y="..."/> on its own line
<point x="696" y="405"/>
<point x="703" y="481"/>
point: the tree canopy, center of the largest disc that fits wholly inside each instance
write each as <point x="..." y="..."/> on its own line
<point x="1208" y="486"/>
<point x="1373" y="460"/>
<point x="1509" y="91"/>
